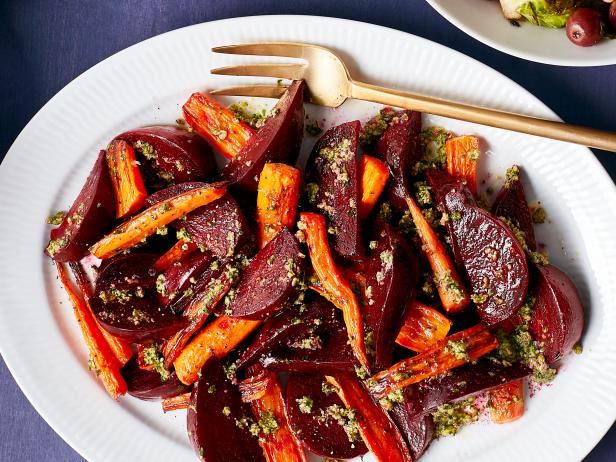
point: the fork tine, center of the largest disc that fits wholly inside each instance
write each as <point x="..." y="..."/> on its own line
<point x="289" y="49"/>
<point x="282" y="70"/>
<point x="263" y="91"/>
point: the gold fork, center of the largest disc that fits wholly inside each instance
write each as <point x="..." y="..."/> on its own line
<point x="330" y="84"/>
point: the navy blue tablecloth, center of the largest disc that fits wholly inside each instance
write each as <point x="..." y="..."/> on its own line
<point x="45" y="44"/>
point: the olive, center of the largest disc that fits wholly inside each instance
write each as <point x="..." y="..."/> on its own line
<point x="584" y="27"/>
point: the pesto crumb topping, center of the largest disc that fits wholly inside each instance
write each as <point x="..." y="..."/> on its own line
<point x="372" y="130"/>
<point x="183" y="235"/>
<point x="268" y="423"/>
<point x="146" y="149"/>
<point x="392" y="399"/>
<point x="305" y="404"/>
<point x="422" y="193"/>
<point x="312" y="128"/>
<point x="450" y="418"/>
<point x="446" y="281"/>
<point x="535" y="257"/>
<point x="56" y="218"/>
<point x="153" y="357"/>
<point x="538" y="214"/>
<point x="346" y="418"/>
<point x="458" y="349"/>
<point x="242" y="113"/>
<point x="55" y="245"/>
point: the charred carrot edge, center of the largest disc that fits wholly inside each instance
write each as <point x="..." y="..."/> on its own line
<point x="197" y="312"/>
<point x="506" y="402"/>
<point x="126" y="179"/>
<point x="217" y="124"/>
<point x="121" y="348"/>
<point x="423" y="326"/>
<point x="108" y="368"/>
<point x="179" y="250"/>
<point x="277" y="198"/>
<point x="177" y="402"/>
<point x="452" y="293"/>
<point x="461" y="153"/>
<point x="337" y="288"/>
<point x="374" y="175"/>
<point x="145" y="224"/>
<point x="266" y="400"/>
<point x="217" y="339"/>
<point x="378" y="431"/>
<point x="451" y="352"/>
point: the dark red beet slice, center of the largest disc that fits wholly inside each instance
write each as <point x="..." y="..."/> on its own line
<point x="467" y="380"/>
<point x="172" y="191"/>
<point x="400" y="148"/>
<point x="215" y="406"/>
<point x="90" y="217"/>
<point x="125" y="300"/>
<point x="333" y="167"/>
<point x="219" y="226"/>
<point x="279" y="140"/>
<point x="324" y="437"/>
<point x="285" y="325"/>
<point x="180" y="275"/>
<point x="494" y="261"/>
<point x="418" y="433"/>
<point x="148" y="385"/>
<point x="511" y="203"/>
<point x="269" y="282"/>
<point x="170" y="154"/>
<point x="391" y="278"/>
<point x="558" y="316"/>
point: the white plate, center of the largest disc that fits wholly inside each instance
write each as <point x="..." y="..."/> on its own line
<point x="147" y="83"/>
<point x="483" y="20"/>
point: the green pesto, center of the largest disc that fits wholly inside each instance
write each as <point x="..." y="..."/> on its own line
<point x="450" y="418"/>
<point x="422" y="193"/>
<point x="56" y="218"/>
<point x="346" y="418"/>
<point x="458" y="349"/>
<point x="535" y="257"/>
<point x="372" y="130"/>
<point x="254" y="119"/>
<point x="305" y="404"/>
<point x="152" y="357"/>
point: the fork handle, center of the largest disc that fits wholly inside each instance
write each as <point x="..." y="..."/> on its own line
<point x="516" y="122"/>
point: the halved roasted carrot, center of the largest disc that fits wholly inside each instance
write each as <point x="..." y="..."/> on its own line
<point x="333" y="283"/>
<point x="374" y="175"/>
<point x="179" y="250"/>
<point x="423" y="327"/>
<point x="277" y="198"/>
<point x="376" y="428"/>
<point x="102" y="358"/>
<point x="217" y="124"/>
<point x="145" y="224"/>
<point x="264" y="394"/>
<point x="448" y="353"/>
<point x="218" y="338"/>
<point x="177" y="402"/>
<point x="462" y="153"/>
<point x="126" y="178"/>
<point x="506" y="402"/>
<point x="452" y="293"/>
<point x="121" y="348"/>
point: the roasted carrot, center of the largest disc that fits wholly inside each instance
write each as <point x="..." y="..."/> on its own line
<point x="277" y="198"/>
<point x="179" y="250"/>
<point x="448" y="353"/>
<point x="121" y="348"/>
<point x="423" y="327"/>
<point x="374" y="175"/>
<point x="218" y="338"/>
<point x="506" y="402"/>
<point x="177" y="402"/>
<point x="145" y="224"/>
<point x="333" y="283"/>
<point x="376" y="428"/>
<point x="264" y="394"/>
<point x="217" y="124"/>
<point x="452" y="293"/>
<point x="462" y="153"/>
<point x="126" y="178"/>
<point x="102" y="358"/>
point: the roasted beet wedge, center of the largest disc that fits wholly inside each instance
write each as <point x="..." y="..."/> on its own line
<point x="181" y="275"/>
<point x="215" y="407"/>
<point x="306" y="404"/>
<point x="391" y="278"/>
<point x="170" y="154"/>
<point x="269" y="282"/>
<point x="511" y="203"/>
<point x="279" y="140"/>
<point x="335" y="187"/>
<point x="90" y="217"/>
<point x="150" y="385"/>
<point x="494" y="261"/>
<point x="468" y="380"/>
<point x="125" y="300"/>
<point x="220" y="227"/>
<point x="558" y="316"/>
<point x="418" y="433"/>
<point x="400" y="148"/>
<point x="286" y="326"/>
